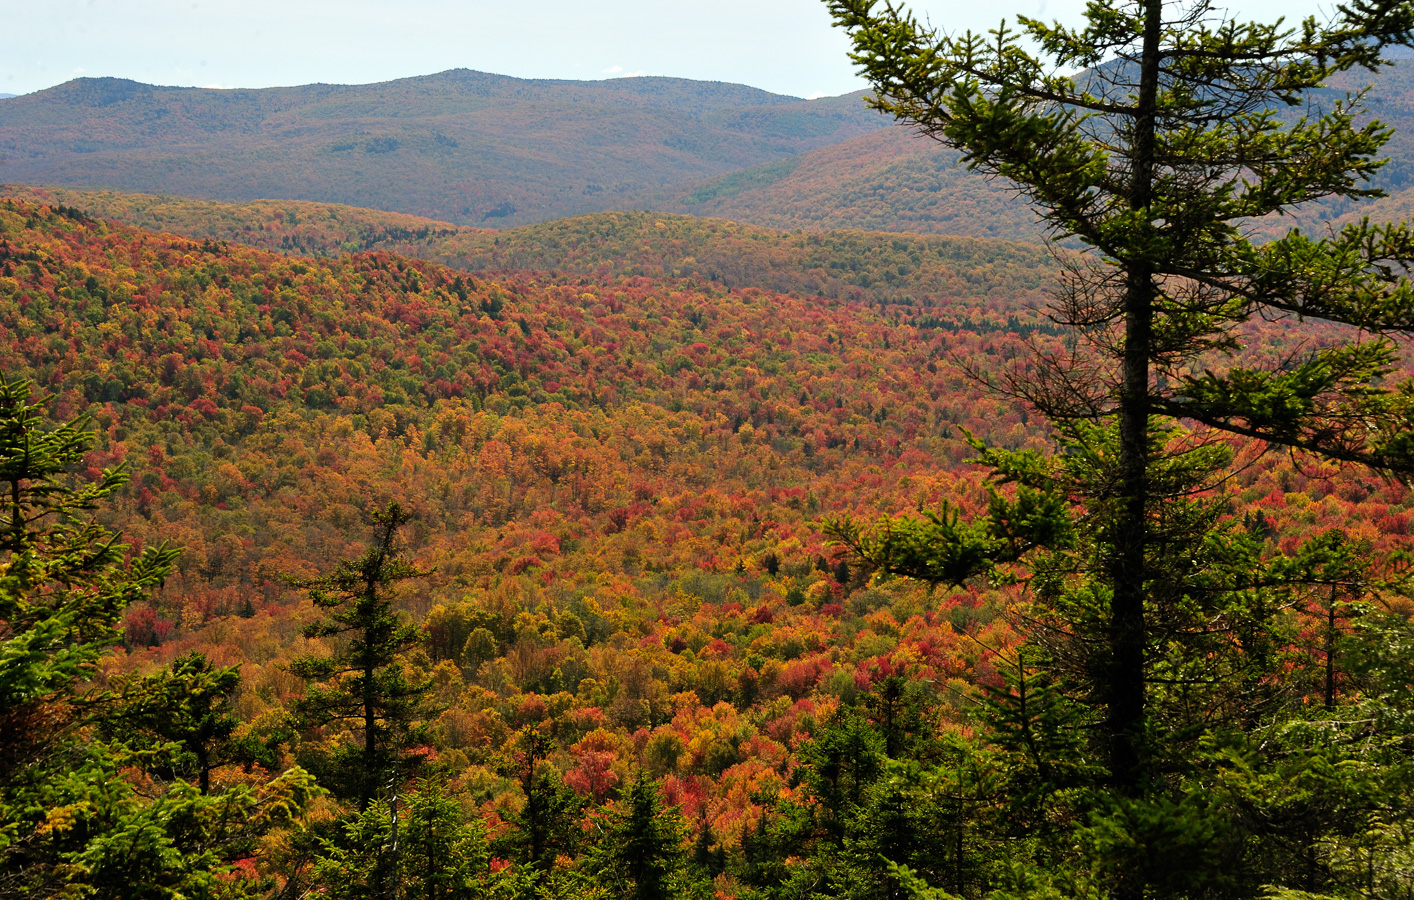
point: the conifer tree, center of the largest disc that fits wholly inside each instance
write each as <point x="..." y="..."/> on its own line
<point x="364" y="684"/>
<point x="71" y="821"/>
<point x="642" y="855"/>
<point x="709" y="856"/>
<point x="1156" y="618"/>
<point x="433" y="853"/>
<point x="545" y="826"/>
<point x="188" y="704"/>
<point x="63" y="591"/>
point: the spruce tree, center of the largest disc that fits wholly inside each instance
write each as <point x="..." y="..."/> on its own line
<point x="363" y="684"/>
<point x="72" y="822"/>
<point x="187" y="705"/>
<point x="1156" y="619"/>
<point x="433" y="853"/>
<point x="642" y="856"/>
<point x="546" y="825"/>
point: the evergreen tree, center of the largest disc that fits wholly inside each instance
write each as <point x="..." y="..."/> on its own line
<point x="186" y="704"/>
<point x="707" y="854"/>
<point x="839" y="766"/>
<point x="419" y="847"/>
<point x="1157" y="621"/>
<point x="546" y="825"/>
<point x="72" y="823"/>
<point x="642" y="855"/>
<point x="873" y="774"/>
<point x="364" y="683"/>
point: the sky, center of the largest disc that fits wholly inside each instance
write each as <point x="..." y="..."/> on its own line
<point x="784" y="46"/>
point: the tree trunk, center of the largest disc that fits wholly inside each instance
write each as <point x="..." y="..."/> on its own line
<point x="1125" y="678"/>
<point x="1330" y="651"/>
<point x="1125" y="687"/>
<point x="370" y="755"/>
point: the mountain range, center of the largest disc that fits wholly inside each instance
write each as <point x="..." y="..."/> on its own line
<point x="462" y="146"/>
<point x="483" y="150"/>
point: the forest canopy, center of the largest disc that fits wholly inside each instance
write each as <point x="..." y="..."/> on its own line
<point x="352" y="554"/>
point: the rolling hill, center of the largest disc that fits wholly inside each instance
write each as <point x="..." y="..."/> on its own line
<point x="875" y="267"/>
<point x="887" y="180"/>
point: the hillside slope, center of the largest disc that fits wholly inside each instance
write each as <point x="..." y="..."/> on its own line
<point x="871" y="266"/>
<point x="619" y="480"/>
<point x="887" y="180"/>
<point x="203" y="361"/>
<point x="895" y="180"/>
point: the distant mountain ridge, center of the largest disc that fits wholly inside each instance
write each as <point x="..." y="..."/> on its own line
<point x="462" y="146"/>
<point x="492" y="151"/>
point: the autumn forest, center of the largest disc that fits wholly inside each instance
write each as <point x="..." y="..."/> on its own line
<point x="351" y="553"/>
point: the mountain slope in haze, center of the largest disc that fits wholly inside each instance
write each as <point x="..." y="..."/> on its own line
<point x="490" y="151"/>
<point x="887" y="180"/>
<point x="895" y="180"/>
<point x="462" y="146"/>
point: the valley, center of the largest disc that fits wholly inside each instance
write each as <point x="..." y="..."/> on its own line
<point x="589" y="477"/>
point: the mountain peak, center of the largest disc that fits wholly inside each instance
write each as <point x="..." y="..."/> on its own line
<point x="96" y="92"/>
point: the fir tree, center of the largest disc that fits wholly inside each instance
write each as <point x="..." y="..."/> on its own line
<point x="419" y="847"/>
<point x="642" y="855"/>
<point x="1156" y="618"/>
<point x="546" y="824"/>
<point x="364" y="682"/>
<point x="187" y="704"/>
<point x="71" y="822"/>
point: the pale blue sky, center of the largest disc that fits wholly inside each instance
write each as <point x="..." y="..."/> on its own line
<point x="786" y="46"/>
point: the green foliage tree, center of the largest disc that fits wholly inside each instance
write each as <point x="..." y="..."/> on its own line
<point x="642" y="854"/>
<point x="186" y="704"/>
<point x="840" y="766"/>
<point x="874" y="774"/>
<point x="72" y="822"/>
<point x="364" y="683"/>
<point x="709" y="856"/>
<point x="546" y="825"/>
<point x="1156" y="618"/>
<point x="425" y="850"/>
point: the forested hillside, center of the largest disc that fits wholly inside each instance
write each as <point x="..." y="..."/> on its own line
<point x="619" y="482"/>
<point x="871" y="267"/>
